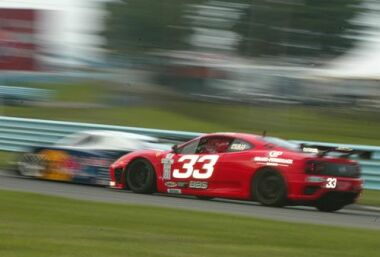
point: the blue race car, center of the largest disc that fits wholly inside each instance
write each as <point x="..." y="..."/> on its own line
<point x="83" y="157"/>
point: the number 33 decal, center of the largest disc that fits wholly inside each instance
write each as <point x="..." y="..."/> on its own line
<point x="331" y="182"/>
<point x="188" y="166"/>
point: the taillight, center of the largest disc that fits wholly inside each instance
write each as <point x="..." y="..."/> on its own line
<point x="332" y="168"/>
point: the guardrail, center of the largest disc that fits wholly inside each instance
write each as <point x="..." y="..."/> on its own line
<point x="19" y="134"/>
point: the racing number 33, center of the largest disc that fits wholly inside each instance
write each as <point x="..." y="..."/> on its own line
<point x="190" y="160"/>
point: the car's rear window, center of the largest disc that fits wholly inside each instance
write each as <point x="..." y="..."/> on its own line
<point x="281" y="143"/>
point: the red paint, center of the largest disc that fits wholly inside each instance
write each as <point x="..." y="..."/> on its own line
<point x="234" y="171"/>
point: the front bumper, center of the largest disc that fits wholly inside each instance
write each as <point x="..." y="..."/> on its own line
<point x="117" y="177"/>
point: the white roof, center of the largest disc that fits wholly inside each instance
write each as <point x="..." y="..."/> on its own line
<point x="110" y="140"/>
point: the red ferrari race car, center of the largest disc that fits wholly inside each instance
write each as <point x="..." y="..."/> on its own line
<point x="241" y="166"/>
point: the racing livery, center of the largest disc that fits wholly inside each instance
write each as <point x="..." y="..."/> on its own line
<point x="83" y="157"/>
<point x="241" y="166"/>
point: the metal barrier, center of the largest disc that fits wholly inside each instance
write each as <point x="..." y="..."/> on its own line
<point x="19" y="134"/>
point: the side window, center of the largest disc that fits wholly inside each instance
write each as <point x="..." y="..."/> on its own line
<point x="239" y="145"/>
<point x="190" y="148"/>
<point x="213" y="144"/>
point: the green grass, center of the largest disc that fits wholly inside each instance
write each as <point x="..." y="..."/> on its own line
<point x="304" y="123"/>
<point x="88" y="92"/>
<point x="330" y="124"/>
<point x="150" y="117"/>
<point x="370" y="197"/>
<point x="292" y="122"/>
<point x="6" y="158"/>
<point x="37" y="226"/>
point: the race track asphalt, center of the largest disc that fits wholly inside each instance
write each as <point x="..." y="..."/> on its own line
<point x="348" y="217"/>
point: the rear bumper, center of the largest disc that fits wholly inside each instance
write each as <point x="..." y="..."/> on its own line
<point x="310" y="188"/>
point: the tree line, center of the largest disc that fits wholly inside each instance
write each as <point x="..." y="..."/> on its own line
<point x="281" y="28"/>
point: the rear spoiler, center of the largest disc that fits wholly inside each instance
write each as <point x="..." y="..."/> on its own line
<point x="322" y="150"/>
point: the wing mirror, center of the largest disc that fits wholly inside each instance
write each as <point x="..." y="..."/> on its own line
<point x="175" y="148"/>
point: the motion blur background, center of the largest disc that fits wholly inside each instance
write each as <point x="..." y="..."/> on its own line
<point x="299" y="69"/>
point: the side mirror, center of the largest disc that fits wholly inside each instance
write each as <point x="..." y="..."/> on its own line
<point x="175" y="148"/>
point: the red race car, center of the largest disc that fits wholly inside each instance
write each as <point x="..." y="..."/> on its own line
<point x="241" y="166"/>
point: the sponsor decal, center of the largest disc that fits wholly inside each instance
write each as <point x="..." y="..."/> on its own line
<point x="59" y="165"/>
<point x="275" y="154"/>
<point x="170" y="184"/>
<point x="239" y="147"/>
<point x="182" y="184"/>
<point x="310" y="150"/>
<point x="273" y="159"/>
<point x="174" y="191"/>
<point x="167" y="165"/>
<point x="198" y="184"/>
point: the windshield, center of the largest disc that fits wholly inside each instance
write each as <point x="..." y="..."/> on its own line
<point x="281" y="143"/>
<point x="73" y="139"/>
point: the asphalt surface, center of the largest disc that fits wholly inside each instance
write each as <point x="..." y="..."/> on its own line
<point x="348" y="217"/>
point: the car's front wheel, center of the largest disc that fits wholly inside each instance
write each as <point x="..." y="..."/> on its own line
<point x="141" y="177"/>
<point x="269" y="188"/>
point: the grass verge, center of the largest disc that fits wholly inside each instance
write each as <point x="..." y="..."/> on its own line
<point x="304" y="123"/>
<point x="370" y="197"/>
<point x="6" y="158"/>
<point x="36" y="225"/>
<point x="84" y="92"/>
<point x="329" y="124"/>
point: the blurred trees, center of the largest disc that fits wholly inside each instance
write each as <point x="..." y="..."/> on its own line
<point x="143" y="25"/>
<point x="298" y="27"/>
<point x="285" y="28"/>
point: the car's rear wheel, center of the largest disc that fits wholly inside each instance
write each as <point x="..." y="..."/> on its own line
<point x="331" y="202"/>
<point x="269" y="188"/>
<point x="141" y="177"/>
<point x="329" y="206"/>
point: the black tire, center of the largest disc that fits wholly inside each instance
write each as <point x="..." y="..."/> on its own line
<point x="329" y="205"/>
<point x="141" y="177"/>
<point x="269" y="188"/>
<point x="204" y="197"/>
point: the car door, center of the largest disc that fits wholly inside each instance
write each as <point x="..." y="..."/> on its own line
<point x="234" y="176"/>
<point x="194" y="166"/>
